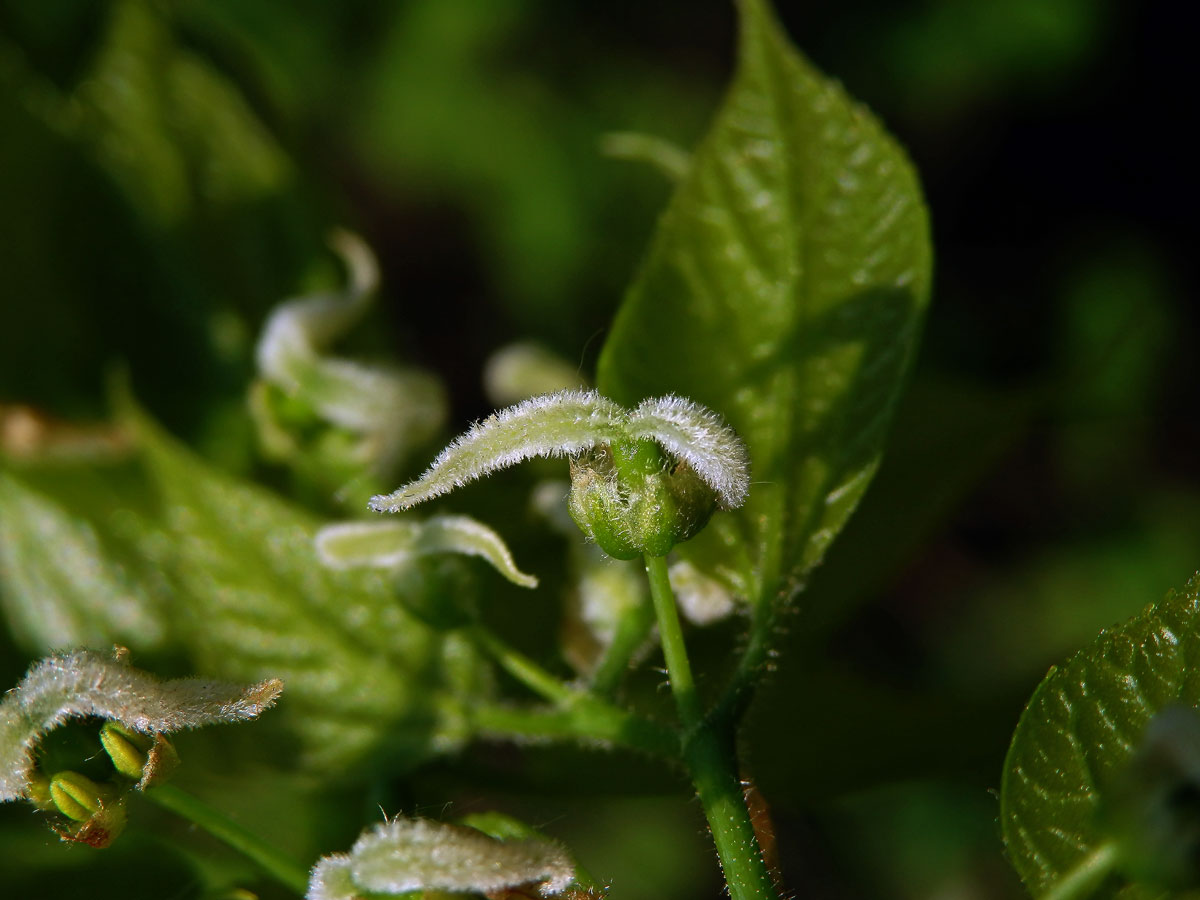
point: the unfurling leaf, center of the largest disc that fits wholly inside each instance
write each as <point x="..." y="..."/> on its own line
<point x="571" y="422"/>
<point x="391" y="544"/>
<point x="415" y="854"/>
<point x="550" y="425"/>
<point x="389" y="410"/>
<point x="87" y="683"/>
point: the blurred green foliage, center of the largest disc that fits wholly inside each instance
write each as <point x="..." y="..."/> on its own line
<point x="169" y="171"/>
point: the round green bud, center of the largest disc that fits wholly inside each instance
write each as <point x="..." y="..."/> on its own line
<point x="631" y="499"/>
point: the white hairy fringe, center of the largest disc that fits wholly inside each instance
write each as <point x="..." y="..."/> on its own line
<point x="570" y="422"/>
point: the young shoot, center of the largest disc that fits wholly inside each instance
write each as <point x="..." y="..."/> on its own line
<point x="643" y="480"/>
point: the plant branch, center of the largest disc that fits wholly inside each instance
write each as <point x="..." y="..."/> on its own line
<point x="270" y="859"/>
<point x="631" y="634"/>
<point x="578" y="714"/>
<point x="522" y="668"/>
<point x="710" y="756"/>
<point x="586" y="721"/>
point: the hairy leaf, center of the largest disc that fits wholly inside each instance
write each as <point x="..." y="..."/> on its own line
<point x="363" y="676"/>
<point x="783" y="289"/>
<point x="570" y="422"/>
<point x="59" y="587"/>
<point x="86" y="683"/>
<point x="391" y="544"/>
<point x="1080" y="730"/>
<point x="415" y="854"/>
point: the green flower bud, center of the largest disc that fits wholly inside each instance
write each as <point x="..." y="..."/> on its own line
<point x="630" y="499"/>
<point x="77" y="796"/>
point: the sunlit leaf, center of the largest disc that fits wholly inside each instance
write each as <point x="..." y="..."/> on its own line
<point x="59" y="587"/>
<point x="1080" y="731"/>
<point x="87" y="683"/>
<point x="783" y="289"/>
<point x="363" y="675"/>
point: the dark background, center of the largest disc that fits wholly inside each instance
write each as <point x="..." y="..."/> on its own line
<point x="1041" y="481"/>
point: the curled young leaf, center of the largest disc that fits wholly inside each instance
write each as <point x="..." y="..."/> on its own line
<point x="391" y="544"/>
<point x="571" y="422"/>
<point x="389" y="409"/>
<point x="698" y="437"/>
<point x="87" y="683"/>
<point x="550" y="425"/>
<point x="415" y="854"/>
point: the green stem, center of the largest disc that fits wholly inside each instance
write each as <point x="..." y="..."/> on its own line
<point x="583" y="722"/>
<point x="748" y="672"/>
<point x="1082" y="880"/>
<point x="273" y="861"/>
<point x="631" y="634"/>
<point x="710" y="756"/>
<point x="679" y="670"/>
<point x="522" y="668"/>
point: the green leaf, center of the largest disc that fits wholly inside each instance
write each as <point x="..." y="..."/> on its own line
<point x="1075" y="740"/>
<point x="783" y="289"/>
<point x="363" y="676"/>
<point x="61" y="587"/>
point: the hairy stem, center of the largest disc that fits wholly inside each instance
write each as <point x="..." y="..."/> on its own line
<point x="710" y="756"/>
<point x="270" y="859"/>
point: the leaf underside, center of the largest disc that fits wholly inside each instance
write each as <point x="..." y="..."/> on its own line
<point x="1080" y="730"/>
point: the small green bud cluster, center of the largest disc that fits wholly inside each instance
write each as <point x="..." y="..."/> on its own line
<point x="631" y="499"/>
<point x="95" y="809"/>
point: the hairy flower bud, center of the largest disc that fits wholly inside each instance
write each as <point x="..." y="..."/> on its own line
<point x="631" y="499"/>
